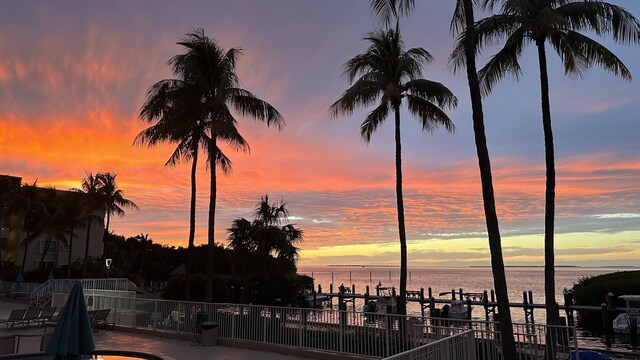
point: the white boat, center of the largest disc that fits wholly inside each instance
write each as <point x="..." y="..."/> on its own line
<point x="383" y="302"/>
<point x="457" y="308"/>
<point x="622" y="322"/>
<point x="319" y="300"/>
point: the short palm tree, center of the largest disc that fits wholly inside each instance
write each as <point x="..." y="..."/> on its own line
<point x="181" y="119"/>
<point x="211" y="69"/>
<point x="558" y="22"/>
<point x="267" y="239"/>
<point x="386" y="74"/>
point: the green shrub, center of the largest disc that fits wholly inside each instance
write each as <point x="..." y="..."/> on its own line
<point x="592" y="291"/>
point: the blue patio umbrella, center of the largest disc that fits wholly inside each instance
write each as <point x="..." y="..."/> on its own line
<point x="72" y="336"/>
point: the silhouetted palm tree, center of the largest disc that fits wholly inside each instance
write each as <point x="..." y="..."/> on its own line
<point x="92" y="202"/>
<point x="268" y="239"/>
<point x="211" y="70"/>
<point x="558" y="22"/>
<point x="387" y="74"/>
<point x="464" y="55"/>
<point x="180" y="115"/>
<point x="113" y="197"/>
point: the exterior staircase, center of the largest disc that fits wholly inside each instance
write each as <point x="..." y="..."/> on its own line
<point x="41" y="296"/>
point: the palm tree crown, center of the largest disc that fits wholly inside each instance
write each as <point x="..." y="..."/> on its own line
<point x="558" y="22"/>
<point x="386" y="74"/>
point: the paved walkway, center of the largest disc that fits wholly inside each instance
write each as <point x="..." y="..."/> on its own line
<point x="168" y="349"/>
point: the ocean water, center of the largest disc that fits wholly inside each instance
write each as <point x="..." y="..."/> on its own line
<point x="471" y="279"/>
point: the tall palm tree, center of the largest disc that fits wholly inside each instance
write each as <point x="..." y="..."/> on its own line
<point x="92" y="201"/>
<point x="387" y="74"/>
<point x="176" y="106"/>
<point x="211" y="69"/>
<point x="113" y="197"/>
<point x="559" y="22"/>
<point x="464" y="55"/>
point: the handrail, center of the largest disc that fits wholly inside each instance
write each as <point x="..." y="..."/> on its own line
<point x="44" y="291"/>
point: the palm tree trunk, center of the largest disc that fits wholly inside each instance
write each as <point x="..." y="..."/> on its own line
<point x="489" y="202"/>
<point x="192" y="228"/>
<point x="550" y="193"/>
<point x="26" y="247"/>
<point x="105" y="235"/>
<point x="70" y="251"/>
<point x="86" y="250"/>
<point x="549" y="259"/>
<point x="402" y="299"/>
<point x="212" y="222"/>
<point x="47" y="244"/>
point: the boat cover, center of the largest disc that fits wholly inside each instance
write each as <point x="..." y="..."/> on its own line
<point x="590" y="355"/>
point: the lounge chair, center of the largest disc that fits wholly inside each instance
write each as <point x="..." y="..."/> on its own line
<point x="46" y="315"/>
<point x="9" y="344"/>
<point x="100" y="320"/>
<point x="31" y="315"/>
<point x="15" y="317"/>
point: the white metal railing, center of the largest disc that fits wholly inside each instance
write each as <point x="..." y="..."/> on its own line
<point x="455" y="347"/>
<point x="364" y="334"/>
<point x="22" y="288"/>
<point x="44" y="291"/>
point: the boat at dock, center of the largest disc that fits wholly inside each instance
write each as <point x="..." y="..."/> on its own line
<point x="623" y="323"/>
<point x="316" y="301"/>
<point x="386" y="303"/>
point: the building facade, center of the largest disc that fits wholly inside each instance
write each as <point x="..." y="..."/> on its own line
<point x="13" y="233"/>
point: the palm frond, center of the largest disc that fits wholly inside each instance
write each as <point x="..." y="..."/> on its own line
<point x="602" y="18"/>
<point x="572" y="44"/>
<point x="386" y="10"/>
<point x="429" y="115"/>
<point x="491" y="30"/>
<point x="362" y="93"/>
<point x="504" y="63"/>
<point x="373" y="120"/>
<point x="432" y="91"/>
<point x="247" y="104"/>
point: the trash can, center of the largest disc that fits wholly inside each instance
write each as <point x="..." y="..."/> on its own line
<point x="209" y="333"/>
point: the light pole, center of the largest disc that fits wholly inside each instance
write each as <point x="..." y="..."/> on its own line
<point x="108" y="262"/>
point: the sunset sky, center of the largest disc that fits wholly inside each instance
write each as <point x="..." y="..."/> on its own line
<point x="74" y="74"/>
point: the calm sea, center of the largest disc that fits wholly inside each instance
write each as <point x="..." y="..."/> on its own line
<point x="472" y="279"/>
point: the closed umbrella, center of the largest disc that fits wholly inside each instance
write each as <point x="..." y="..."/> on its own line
<point x="19" y="280"/>
<point x="72" y="336"/>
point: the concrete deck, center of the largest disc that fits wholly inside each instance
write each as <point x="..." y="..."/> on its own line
<point x="167" y="348"/>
